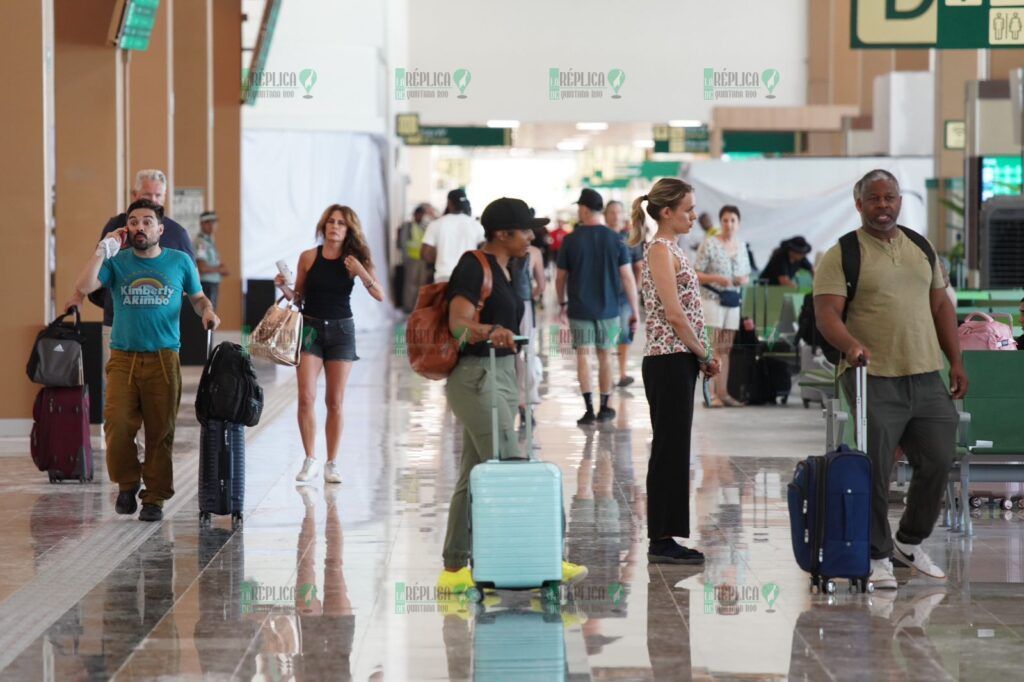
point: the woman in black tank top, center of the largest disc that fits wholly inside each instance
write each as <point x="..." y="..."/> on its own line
<point x="323" y="283"/>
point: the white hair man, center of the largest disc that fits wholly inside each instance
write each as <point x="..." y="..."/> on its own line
<point x="149" y="184"/>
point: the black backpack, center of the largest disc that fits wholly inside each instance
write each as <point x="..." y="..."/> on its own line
<point x="849" y="247"/>
<point x="56" y="358"/>
<point x="228" y="389"/>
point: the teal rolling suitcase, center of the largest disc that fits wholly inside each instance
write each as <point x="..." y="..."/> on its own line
<point x="516" y="516"/>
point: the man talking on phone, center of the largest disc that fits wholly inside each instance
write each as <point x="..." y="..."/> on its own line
<point x="143" y="386"/>
<point x="152" y="185"/>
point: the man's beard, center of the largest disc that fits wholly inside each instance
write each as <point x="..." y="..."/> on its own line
<point x="142" y="245"/>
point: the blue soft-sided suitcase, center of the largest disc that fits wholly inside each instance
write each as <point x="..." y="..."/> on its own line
<point x="519" y="645"/>
<point x="830" y="511"/>
<point x="516" y="526"/>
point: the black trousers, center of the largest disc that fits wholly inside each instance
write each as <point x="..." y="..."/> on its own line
<point x="669" y="381"/>
<point x="212" y="291"/>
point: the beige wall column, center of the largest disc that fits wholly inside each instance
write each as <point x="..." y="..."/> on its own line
<point x="26" y="181"/>
<point x="227" y="153"/>
<point x="953" y="68"/>
<point x="193" y="95"/>
<point x="1002" y="62"/>
<point x="91" y="177"/>
<point x="150" y="112"/>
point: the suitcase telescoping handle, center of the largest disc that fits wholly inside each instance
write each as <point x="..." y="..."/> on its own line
<point x="521" y="341"/>
<point x="861" y="413"/>
<point x="209" y="339"/>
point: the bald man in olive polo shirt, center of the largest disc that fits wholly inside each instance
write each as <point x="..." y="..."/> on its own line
<point x="900" y="323"/>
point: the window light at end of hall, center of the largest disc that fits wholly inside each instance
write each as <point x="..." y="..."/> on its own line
<point x="571" y="145"/>
<point x="643" y="144"/>
<point x="503" y="123"/>
<point x="685" y="123"/>
<point x="592" y="126"/>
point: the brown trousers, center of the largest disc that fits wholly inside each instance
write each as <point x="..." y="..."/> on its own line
<point x="142" y="388"/>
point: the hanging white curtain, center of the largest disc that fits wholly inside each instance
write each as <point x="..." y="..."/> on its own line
<point x="813" y="198"/>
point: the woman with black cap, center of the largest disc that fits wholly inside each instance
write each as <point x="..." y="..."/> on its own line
<point x="786" y="261"/>
<point x="508" y="229"/>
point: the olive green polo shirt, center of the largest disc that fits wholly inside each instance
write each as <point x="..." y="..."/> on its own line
<point x="891" y="312"/>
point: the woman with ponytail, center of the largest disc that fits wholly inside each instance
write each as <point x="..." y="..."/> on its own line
<point x="675" y="354"/>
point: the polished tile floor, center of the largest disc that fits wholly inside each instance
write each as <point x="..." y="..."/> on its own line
<point x="336" y="583"/>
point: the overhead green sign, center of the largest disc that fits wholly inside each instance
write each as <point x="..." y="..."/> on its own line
<point x="763" y="142"/>
<point x="942" y="24"/>
<point x="678" y="140"/>
<point x="137" y="27"/>
<point x="460" y="136"/>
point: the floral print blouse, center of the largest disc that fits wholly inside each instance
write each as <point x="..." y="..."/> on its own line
<point x="661" y="337"/>
<point x="713" y="259"/>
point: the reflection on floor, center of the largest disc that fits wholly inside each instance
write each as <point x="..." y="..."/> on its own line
<point x="337" y="583"/>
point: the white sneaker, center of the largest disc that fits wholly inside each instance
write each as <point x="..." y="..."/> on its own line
<point x="918" y="560"/>
<point x="331" y="473"/>
<point x="882" y="575"/>
<point x="310" y="467"/>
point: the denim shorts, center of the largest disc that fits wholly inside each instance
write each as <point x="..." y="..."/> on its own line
<point x="329" y="339"/>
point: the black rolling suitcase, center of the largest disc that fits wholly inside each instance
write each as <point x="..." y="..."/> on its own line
<point x="221" y="460"/>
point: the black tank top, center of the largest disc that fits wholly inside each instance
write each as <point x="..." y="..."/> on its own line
<point x="328" y="289"/>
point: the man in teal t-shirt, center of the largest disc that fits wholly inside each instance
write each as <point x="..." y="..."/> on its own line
<point x="143" y="385"/>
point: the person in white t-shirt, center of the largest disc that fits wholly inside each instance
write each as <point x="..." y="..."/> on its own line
<point x="451" y="235"/>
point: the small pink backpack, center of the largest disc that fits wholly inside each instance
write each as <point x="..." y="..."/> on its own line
<point x="986" y="334"/>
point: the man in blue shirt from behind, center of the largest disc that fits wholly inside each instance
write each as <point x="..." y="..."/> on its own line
<point x="593" y="264"/>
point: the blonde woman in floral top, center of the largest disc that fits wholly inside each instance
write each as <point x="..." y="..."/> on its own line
<point x="674" y="356"/>
<point x="723" y="266"/>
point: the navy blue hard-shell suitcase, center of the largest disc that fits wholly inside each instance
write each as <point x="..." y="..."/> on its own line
<point x="221" y="465"/>
<point x="830" y="510"/>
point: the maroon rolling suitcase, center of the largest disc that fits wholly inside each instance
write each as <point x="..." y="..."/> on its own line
<point x="60" y="435"/>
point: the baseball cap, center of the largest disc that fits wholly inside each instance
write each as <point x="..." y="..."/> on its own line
<point x="509" y="214"/>
<point x="591" y="199"/>
<point x="458" y="196"/>
<point x="207" y="215"/>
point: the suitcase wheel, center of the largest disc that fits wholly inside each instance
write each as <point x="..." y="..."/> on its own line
<point x="807" y="403"/>
<point x="830" y="586"/>
<point x="204" y="519"/>
<point x="550" y="594"/>
<point x="236" y="520"/>
<point x="867" y="586"/>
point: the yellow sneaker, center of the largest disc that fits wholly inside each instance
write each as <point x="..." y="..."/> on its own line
<point x="455" y="582"/>
<point x="573" y="573"/>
